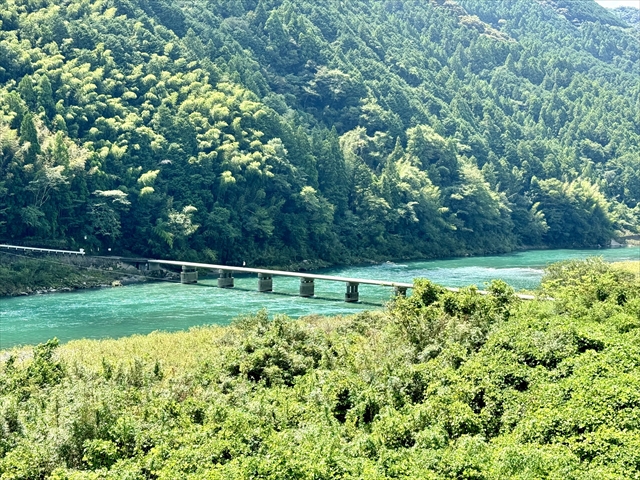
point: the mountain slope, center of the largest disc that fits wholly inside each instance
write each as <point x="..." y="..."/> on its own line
<point x="280" y="131"/>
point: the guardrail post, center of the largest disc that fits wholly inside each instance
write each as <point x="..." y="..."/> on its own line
<point x="307" y="287"/>
<point x="265" y="282"/>
<point x="188" y="275"/>
<point x="352" y="294"/>
<point x="226" y="279"/>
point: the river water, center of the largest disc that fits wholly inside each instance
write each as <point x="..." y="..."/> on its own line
<point x="143" y="308"/>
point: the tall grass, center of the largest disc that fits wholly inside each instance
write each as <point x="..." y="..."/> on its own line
<point x="630" y="266"/>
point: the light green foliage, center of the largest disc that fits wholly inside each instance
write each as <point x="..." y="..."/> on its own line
<point x="147" y="179"/>
<point x="440" y="385"/>
<point x="424" y="129"/>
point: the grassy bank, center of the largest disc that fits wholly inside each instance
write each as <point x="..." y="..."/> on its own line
<point x="437" y="386"/>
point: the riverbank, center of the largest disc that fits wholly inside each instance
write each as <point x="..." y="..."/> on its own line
<point x="21" y="276"/>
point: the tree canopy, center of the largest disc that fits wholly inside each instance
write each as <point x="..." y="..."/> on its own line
<point x="281" y="131"/>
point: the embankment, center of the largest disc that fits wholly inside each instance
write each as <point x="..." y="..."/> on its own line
<point x="27" y="275"/>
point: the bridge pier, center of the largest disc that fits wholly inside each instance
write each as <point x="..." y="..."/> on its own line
<point x="400" y="291"/>
<point x="226" y="279"/>
<point x="352" y="294"/>
<point x="188" y="275"/>
<point x="307" y="287"/>
<point x="265" y="282"/>
<point x="143" y="265"/>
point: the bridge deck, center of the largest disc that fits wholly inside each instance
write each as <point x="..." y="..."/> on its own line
<point x="282" y="273"/>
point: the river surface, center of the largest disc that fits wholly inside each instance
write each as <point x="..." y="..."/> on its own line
<point x="143" y="308"/>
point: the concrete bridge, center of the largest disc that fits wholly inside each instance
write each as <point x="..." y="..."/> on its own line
<point x="225" y="273"/>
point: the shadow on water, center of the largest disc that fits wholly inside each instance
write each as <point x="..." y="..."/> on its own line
<point x="284" y="294"/>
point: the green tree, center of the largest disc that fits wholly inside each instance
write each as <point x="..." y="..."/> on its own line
<point x="45" y="96"/>
<point x="29" y="137"/>
<point x="27" y="92"/>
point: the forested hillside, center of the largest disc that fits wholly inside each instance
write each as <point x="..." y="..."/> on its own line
<point x="629" y="14"/>
<point x="276" y="132"/>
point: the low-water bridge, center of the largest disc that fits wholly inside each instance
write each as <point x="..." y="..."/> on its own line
<point x="189" y="274"/>
<point x="225" y="273"/>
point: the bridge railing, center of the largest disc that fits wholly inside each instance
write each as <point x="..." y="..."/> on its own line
<point x="43" y="250"/>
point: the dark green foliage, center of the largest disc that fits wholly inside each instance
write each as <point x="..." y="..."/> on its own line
<point x="274" y="352"/>
<point x="574" y="213"/>
<point x="277" y="132"/>
<point x="432" y="317"/>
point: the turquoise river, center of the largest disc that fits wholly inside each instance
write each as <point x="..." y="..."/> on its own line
<point x="143" y="308"/>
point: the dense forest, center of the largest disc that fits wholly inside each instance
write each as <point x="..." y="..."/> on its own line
<point x="629" y="15"/>
<point x="279" y="131"/>
<point x="438" y="386"/>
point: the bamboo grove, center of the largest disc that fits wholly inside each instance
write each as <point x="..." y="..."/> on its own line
<point x="280" y="131"/>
